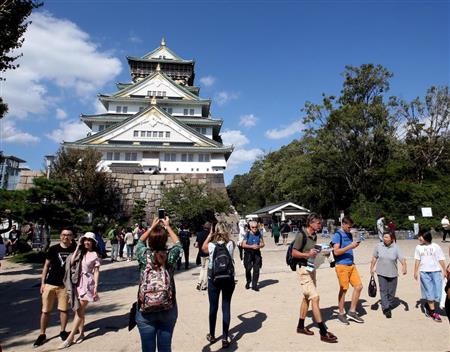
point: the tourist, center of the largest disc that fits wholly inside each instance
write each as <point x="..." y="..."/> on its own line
<point x="129" y="242"/>
<point x="100" y="241"/>
<point x="347" y="273"/>
<point x="447" y="294"/>
<point x="285" y="229"/>
<point x="157" y="322"/>
<point x="252" y="244"/>
<point x="85" y="262"/>
<point x="381" y="227"/>
<point x="52" y="285"/>
<point x="445" y="223"/>
<point x="430" y="262"/>
<point x="184" y="236"/>
<point x="243" y="229"/>
<point x="12" y="240"/>
<point x="391" y="227"/>
<point x="216" y="285"/>
<point x="303" y="250"/>
<point x="113" y="236"/>
<point x="385" y="257"/>
<point x="276" y="232"/>
<point x="202" y="283"/>
<point x="121" y="239"/>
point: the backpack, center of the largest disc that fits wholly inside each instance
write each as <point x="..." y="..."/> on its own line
<point x="222" y="264"/>
<point x="155" y="289"/>
<point x="290" y="260"/>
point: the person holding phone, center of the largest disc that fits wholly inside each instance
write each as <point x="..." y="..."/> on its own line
<point x="347" y="273"/>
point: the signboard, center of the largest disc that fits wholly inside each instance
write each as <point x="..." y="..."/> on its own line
<point x="427" y="212"/>
<point x="411" y="218"/>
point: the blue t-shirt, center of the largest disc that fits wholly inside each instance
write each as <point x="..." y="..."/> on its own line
<point x="252" y="238"/>
<point x="347" y="238"/>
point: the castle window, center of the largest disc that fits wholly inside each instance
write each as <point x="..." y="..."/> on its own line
<point x="101" y="128"/>
<point x="118" y="108"/>
<point x="109" y="156"/>
<point x="155" y="134"/>
<point x="135" y="133"/>
<point x="116" y="156"/>
<point x="167" y="134"/>
<point x="164" y="94"/>
<point x="191" y="158"/>
<point x="170" y="110"/>
<point x="161" y="134"/>
<point x="203" y="158"/>
<point x="183" y="157"/>
<point x="149" y="133"/>
<point x="142" y="133"/>
<point x="125" y="109"/>
<point x="149" y="93"/>
<point x="185" y="111"/>
<point x="191" y="111"/>
<point x="203" y="130"/>
<point x="131" y="156"/>
<point x="170" y="157"/>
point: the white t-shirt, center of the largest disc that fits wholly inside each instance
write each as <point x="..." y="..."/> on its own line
<point x="445" y="223"/>
<point x="212" y="246"/>
<point x="429" y="256"/>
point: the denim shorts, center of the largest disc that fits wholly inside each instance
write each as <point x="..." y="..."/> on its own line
<point x="431" y="285"/>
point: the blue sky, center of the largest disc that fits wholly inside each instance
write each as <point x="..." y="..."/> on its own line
<point x="259" y="61"/>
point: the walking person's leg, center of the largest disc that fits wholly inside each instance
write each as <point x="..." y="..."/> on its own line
<point x="203" y="279"/>
<point x="227" y="293"/>
<point x="147" y="331"/>
<point x="392" y="288"/>
<point x="186" y="256"/>
<point x="384" y="294"/>
<point x="355" y="281"/>
<point x="164" y="331"/>
<point x="256" y="267"/>
<point x="213" y="297"/>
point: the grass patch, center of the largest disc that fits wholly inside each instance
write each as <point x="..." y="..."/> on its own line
<point x="31" y="257"/>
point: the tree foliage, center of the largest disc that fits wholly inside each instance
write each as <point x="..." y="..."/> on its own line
<point x="192" y="204"/>
<point x="90" y="189"/>
<point x="138" y="214"/>
<point x="13" y="24"/>
<point x="362" y="152"/>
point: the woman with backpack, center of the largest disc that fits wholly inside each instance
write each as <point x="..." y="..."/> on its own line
<point x="220" y="279"/>
<point x="157" y="311"/>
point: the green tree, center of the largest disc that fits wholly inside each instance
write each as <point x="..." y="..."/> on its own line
<point x="91" y="189"/>
<point x="138" y="214"/>
<point x="13" y="24"/>
<point x="193" y="203"/>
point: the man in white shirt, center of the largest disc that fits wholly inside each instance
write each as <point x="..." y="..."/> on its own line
<point x="445" y="227"/>
<point x="380" y="227"/>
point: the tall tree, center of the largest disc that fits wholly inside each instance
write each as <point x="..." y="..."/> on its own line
<point x="91" y="189"/>
<point x="13" y="24"/>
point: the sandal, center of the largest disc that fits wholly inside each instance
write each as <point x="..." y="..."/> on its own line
<point x="79" y="339"/>
<point x="210" y="338"/>
<point x="225" y="343"/>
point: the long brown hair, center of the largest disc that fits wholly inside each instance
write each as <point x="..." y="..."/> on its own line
<point x="221" y="233"/>
<point x="158" y="245"/>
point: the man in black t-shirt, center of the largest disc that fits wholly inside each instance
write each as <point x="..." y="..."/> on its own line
<point x="52" y="285"/>
<point x="184" y="236"/>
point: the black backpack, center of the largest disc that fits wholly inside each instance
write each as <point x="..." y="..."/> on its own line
<point x="290" y="260"/>
<point x="222" y="265"/>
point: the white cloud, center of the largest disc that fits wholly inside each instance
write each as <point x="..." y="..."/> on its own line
<point x="234" y="137"/>
<point x="132" y="37"/>
<point x="68" y="131"/>
<point x="56" y="52"/>
<point x="12" y="135"/>
<point x="286" y="131"/>
<point x="224" y="97"/>
<point x="248" y="120"/>
<point x="207" y="81"/>
<point x="240" y="155"/>
<point x="60" y="114"/>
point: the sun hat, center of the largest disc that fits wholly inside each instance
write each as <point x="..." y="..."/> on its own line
<point x="90" y="236"/>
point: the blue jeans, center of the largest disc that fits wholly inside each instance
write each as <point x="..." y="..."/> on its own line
<point x="156" y="329"/>
<point x="213" y="295"/>
<point x="130" y="248"/>
<point x="431" y="285"/>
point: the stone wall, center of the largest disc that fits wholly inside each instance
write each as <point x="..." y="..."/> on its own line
<point x="26" y="178"/>
<point x="149" y="187"/>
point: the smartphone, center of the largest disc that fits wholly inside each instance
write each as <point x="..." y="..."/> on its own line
<point x="161" y="214"/>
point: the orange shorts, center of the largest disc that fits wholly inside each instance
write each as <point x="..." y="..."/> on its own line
<point x="347" y="274"/>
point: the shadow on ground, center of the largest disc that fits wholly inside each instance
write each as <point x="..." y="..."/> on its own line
<point x="251" y="322"/>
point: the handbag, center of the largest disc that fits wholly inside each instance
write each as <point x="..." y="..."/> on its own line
<point x="372" y="289"/>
